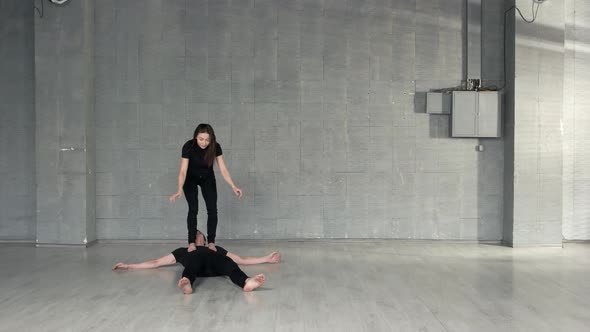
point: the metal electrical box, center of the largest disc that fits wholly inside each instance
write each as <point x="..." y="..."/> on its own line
<point x="476" y="114"/>
<point x="438" y="102"/>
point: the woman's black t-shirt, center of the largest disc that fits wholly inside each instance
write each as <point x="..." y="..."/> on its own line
<point x="197" y="166"/>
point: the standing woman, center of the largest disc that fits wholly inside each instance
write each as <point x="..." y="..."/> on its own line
<point x="196" y="169"/>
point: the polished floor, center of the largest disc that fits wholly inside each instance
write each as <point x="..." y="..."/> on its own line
<point x="320" y="286"/>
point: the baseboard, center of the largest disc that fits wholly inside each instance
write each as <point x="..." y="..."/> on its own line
<point x="59" y="245"/>
<point x="490" y="242"/>
<point x="91" y="243"/>
<point x="183" y="241"/>
<point x="577" y="241"/>
<point x="8" y="241"/>
<point x="141" y="241"/>
<point x="543" y="245"/>
<point x="65" y="245"/>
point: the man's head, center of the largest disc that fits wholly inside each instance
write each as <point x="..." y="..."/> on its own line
<point x="200" y="240"/>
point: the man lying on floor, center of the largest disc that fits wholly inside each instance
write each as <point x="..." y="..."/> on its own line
<point x="204" y="262"/>
<point x="201" y="242"/>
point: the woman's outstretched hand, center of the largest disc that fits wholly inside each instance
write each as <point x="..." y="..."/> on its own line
<point x="175" y="196"/>
<point x="238" y="192"/>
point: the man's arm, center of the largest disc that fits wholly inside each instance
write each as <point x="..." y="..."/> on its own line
<point x="151" y="264"/>
<point x="274" y="257"/>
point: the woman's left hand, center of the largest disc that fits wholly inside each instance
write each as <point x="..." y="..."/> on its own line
<point x="238" y="192"/>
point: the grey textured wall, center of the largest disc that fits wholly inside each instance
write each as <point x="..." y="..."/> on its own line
<point x="576" y="122"/>
<point x="318" y="105"/>
<point x="64" y="95"/>
<point x="17" y="121"/>
<point x="508" y="132"/>
<point x="538" y="102"/>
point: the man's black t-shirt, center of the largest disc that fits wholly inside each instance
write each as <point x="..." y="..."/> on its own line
<point x="180" y="254"/>
<point x="202" y="262"/>
<point x="197" y="166"/>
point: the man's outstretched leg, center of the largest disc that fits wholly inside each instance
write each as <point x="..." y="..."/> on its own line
<point x="186" y="282"/>
<point x="226" y="266"/>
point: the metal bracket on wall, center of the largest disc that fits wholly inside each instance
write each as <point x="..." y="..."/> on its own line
<point x="54" y="2"/>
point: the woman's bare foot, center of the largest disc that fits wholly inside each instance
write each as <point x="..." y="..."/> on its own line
<point x="211" y="246"/>
<point x="274" y="257"/>
<point x="192" y="247"/>
<point x="185" y="285"/>
<point x="254" y="282"/>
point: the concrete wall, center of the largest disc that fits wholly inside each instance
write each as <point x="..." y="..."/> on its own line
<point x="17" y="121"/>
<point x="64" y="95"/>
<point x="318" y="105"/>
<point x="508" y="117"/>
<point x="538" y="101"/>
<point x="576" y="122"/>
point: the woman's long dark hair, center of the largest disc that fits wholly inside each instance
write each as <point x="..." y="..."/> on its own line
<point x="210" y="151"/>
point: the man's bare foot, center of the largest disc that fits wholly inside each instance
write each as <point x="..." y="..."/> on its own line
<point x="212" y="246"/>
<point x="185" y="285"/>
<point x="274" y="257"/>
<point x="254" y="282"/>
<point x="120" y="266"/>
<point x="192" y="247"/>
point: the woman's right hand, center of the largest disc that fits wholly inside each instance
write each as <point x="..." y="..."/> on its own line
<point x="175" y="196"/>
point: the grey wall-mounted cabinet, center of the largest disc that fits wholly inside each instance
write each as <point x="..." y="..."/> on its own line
<point x="476" y="114"/>
<point x="438" y="102"/>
